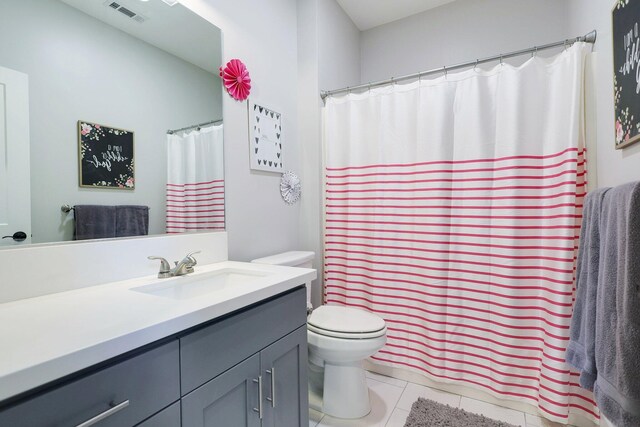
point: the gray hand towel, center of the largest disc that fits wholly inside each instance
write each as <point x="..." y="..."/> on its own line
<point x="581" y="348"/>
<point x="95" y="222"/>
<point x="132" y="220"/>
<point x="617" y="389"/>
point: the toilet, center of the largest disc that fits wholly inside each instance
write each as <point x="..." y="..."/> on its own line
<point x="339" y="339"/>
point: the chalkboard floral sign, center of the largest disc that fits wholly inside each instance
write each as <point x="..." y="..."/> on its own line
<point x="626" y="71"/>
<point x="105" y="157"/>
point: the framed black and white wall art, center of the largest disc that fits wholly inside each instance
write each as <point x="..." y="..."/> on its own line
<point x="265" y="138"/>
<point x="625" y="18"/>
<point x="105" y="157"/>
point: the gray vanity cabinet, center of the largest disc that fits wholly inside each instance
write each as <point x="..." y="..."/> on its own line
<point x="246" y="369"/>
<point x="211" y="350"/>
<point x="269" y="388"/>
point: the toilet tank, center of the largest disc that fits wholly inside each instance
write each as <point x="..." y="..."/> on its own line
<point x="302" y="259"/>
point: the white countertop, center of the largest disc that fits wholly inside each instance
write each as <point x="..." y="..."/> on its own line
<point x="49" y="337"/>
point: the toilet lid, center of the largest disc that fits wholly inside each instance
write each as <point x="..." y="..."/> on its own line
<point x="345" y="322"/>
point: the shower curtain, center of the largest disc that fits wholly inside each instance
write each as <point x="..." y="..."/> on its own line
<point x="452" y="210"/>
<point x="195" y="180"/>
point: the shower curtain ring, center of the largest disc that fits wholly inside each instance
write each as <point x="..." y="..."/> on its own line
<point x="534" y="52"/>
<point x="501" y="60"/>
<point x="444" y="69"/>
<point x="476" y="65"/>
<point x="565" y="44"/>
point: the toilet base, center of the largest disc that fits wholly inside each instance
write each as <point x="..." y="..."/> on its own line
<point x="316" y="380"/>
<point x="345" y="391"/>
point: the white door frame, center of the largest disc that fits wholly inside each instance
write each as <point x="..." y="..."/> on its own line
<point x="15" y="183"/>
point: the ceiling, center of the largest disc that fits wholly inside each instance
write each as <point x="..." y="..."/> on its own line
<point x="174" y="29"/>
<point x="367" y="14"/>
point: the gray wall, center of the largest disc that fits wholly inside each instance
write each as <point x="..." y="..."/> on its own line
<point x="338" y="47"/>
<point x="310" y="126"/>
<point x="328" y="57"/>
<point x="82" y="69"/>
<point x="263" y="35"/>
<point x="614" y="167"/>
<point x="458" y="32"/>
<point x="467" y="29"/>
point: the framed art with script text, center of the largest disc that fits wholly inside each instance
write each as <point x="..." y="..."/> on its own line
<point x="626" y="72"/>
<point x="105" y="157"/>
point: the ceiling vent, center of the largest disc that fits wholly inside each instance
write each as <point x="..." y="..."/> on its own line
<point x="125" y="11"/>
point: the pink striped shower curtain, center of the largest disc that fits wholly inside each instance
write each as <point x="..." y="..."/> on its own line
<point x="453" y="209"/>
<point x="195" y="181"/>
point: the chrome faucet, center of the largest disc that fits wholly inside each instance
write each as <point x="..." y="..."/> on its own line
<point x="181" y="268"/>
<point x="186" y="265"/>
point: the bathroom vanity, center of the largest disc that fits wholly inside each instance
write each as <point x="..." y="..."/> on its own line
<point x="234" y="356"/>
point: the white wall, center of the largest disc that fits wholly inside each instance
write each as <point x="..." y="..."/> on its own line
<point x="263" y="34"/>
<point x="82" y="69"/>
<point x="459" y="32"/>
<point x="614" y="167"/>
<point x="328" y="56"/>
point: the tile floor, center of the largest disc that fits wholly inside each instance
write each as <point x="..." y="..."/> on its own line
<point x="391" y="401"/>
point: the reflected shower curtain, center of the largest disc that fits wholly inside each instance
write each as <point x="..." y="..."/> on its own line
<point x="452" y="210"/>
<point x="195" y="180"/>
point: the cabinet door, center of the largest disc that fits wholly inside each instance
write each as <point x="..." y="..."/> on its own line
<point x="229" y="400"/>
<point x="284" y="373"/>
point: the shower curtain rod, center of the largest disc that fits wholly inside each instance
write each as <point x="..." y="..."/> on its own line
<point x="199" y="125"/>
<point x="588" y="38"/>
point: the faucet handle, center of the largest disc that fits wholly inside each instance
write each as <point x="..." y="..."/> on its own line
<point x="191" y="258"/>
<point x="165" y="268"/>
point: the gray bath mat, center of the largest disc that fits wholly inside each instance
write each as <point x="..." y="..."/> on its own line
<point x="427" y="413"/>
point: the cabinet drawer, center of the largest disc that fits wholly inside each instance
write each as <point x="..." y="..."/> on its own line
<point x="208" y="352"/>
<point x="168" y="417"/>
<point x="149" y="382"/>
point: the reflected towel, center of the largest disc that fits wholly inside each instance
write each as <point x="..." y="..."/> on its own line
<point x="132" y="220"/>
<point x="617" y="388"/>
<point x="581" y="348"/>
<point x="95" y="222"/>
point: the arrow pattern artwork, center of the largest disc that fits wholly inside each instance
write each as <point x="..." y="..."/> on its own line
<point x="266" y="138"/>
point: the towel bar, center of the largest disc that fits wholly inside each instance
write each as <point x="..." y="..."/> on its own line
<point x="69" y="208"/>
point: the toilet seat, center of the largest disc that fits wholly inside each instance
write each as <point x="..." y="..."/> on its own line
<point x="346" y="323"/>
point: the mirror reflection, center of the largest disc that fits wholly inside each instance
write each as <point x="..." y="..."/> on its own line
<point x="110" y="103"/>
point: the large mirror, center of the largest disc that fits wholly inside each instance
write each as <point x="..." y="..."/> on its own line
<point x="74" y="68"/>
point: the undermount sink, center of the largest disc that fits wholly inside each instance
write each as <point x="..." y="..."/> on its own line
<point x="192" y="286"/>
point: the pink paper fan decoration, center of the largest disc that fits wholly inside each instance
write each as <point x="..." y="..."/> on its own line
<point x="235" y="78"/>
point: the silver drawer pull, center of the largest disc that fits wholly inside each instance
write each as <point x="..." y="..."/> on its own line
<point x="272" y="399"/>
<point x="117" y="408"/>
<point x="259" y="408"/>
